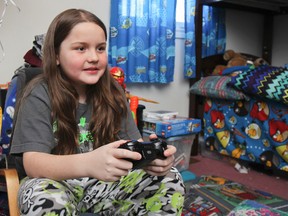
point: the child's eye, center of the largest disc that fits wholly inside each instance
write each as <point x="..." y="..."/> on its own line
<point x="101" y="49"/>
<point x="80" y="48"/>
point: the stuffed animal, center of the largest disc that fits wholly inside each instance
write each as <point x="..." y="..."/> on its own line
<point x="230" y="54"/>
<point x="219" y="69"/>
<point x="233" y="59"/>
<point x="260" y="61"/>
<point x="236" y="59"/>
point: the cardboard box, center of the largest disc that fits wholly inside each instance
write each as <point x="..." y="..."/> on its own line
<point x="184" y="145"/>
<point x="171" y="127"/>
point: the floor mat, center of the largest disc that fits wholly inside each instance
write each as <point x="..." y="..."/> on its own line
<point x="213" y="195"/>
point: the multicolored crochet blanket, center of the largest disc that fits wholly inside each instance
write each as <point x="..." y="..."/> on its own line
<point x="264" y="81"/>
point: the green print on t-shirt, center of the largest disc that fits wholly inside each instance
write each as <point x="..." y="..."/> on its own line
<point x="85" y="136"/>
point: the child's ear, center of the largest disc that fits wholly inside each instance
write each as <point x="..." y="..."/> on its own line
<point x="57" y="61"/>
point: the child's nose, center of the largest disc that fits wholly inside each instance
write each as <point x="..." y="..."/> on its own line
<point x="93" y="56"/>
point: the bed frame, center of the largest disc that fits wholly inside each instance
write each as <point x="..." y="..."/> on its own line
<point x="268" y="8"/>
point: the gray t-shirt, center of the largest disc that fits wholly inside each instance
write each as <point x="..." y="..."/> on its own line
<point x="34" y="130"/>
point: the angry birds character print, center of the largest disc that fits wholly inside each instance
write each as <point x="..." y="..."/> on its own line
<point x="207" y="105"/>
<point x="278" y="130"/>
<point x="253" y="131"/>
<point x="269" y="159"/>
<point x="240" y="108"/>
<point x="260" y="111"/>
<point x="217" y="119"/>
<point x="283" y="151"/>
<point x="237" y="152"/>
<point x="223" y="137"/>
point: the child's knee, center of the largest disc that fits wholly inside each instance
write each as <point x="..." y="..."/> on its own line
<point x="45" y="195"/>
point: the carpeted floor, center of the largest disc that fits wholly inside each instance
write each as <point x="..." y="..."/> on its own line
<point x="206" y="192"/>
<point x="218" y="165"/>
<point x="212" y="195"/>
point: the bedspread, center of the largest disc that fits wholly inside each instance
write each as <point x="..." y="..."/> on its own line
<point x="254" y="130"/>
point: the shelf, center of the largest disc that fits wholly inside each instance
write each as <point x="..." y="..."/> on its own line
<point x="257" y="6"/>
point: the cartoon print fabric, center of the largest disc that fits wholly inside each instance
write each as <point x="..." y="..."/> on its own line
<point x="142" y="40"/>
<point x="254" y="130"/>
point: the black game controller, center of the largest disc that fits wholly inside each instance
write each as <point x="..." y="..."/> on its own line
<point x="149" y="151"/>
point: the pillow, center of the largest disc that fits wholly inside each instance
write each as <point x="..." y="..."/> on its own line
<point x="265" y="81"/>
<point x="216" y="87"/>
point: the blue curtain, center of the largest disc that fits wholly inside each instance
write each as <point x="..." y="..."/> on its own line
<point x="142" y="39"/>
<point x="213" y="36"/>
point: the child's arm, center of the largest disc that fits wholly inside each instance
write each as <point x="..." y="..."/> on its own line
<point x="106" y="163"/>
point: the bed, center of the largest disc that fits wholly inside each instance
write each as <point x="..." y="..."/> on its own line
<point x="245" y="111"/>
<point x="267" y="8"/>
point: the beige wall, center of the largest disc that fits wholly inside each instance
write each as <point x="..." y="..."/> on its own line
<point x="19" y="28"/>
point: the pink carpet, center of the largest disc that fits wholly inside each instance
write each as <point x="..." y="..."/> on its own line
<point x="215" y="164"/>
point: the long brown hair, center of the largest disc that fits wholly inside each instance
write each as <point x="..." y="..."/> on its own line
<point x="108" y="102"/>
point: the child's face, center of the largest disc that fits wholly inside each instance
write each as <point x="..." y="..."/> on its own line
<point x="83" y="55"/>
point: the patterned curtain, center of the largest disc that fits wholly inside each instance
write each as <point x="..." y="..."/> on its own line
<point x="142" y="39"/>
<point x="213" y="36"/>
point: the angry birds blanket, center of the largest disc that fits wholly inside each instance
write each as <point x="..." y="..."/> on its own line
<point x="255" y="130"/>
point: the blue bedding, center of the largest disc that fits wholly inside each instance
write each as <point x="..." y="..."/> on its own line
<point x="254" y="130"/>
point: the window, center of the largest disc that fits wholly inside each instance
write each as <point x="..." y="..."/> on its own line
<point x="180" y="19"/>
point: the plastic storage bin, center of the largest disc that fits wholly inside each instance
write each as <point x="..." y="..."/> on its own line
<point x="183" y="144"/>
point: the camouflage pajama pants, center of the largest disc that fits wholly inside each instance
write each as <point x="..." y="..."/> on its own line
<point x="135" y="194"/>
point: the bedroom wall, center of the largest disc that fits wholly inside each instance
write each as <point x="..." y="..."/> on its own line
<point x="19" y="28"/>
<point x="244" y="34"/>
<point x="244" y="31"/>
<point x="280" y="45"/>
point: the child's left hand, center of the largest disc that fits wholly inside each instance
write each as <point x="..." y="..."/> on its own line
<point x="160" y="167"/>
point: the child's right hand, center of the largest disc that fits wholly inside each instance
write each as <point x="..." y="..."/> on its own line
<point x="109" y="163"/>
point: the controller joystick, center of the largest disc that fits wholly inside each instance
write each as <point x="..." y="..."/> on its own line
<point x="148" y="150"/>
